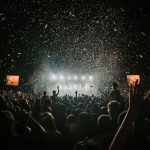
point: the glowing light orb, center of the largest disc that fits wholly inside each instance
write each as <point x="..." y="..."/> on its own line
<point x="54" y="77"/>
<point x="75" y="77"/>
<point x="61" y="77"/>
<point x="83" y="77"/>
<point x="90" y="77"/>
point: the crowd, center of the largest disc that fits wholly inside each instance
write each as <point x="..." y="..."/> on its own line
<point x="108" y="122"/>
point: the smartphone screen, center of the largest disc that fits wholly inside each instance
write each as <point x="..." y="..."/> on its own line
<point x="131" y="79"/>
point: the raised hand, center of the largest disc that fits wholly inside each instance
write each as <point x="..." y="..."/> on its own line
<point x="136" y="96"/>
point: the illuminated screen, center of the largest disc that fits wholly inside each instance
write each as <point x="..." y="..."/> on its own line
<point x="131" y="79"/>
<point x="12" y="80"/>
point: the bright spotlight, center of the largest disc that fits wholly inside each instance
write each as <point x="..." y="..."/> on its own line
<point x="90" y="77"/>
<point x="61" y="77"/>
<point x="83" y="77"/>
<point x="54" y="77"/>
<point x="75" y="77"/>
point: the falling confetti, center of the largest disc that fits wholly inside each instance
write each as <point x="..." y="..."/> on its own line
<point x="77" y="37"/>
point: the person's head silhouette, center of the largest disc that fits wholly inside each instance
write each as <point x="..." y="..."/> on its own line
<point x="115" y="85"/>
<point x="54" y="92"/>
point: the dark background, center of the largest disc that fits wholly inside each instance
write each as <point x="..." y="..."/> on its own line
<point x="74" y="35"/>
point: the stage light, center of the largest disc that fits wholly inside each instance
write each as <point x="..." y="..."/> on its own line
<point x="83" y="77"/>
<point x="54" y="77"/>
<point x="75" y="77"/>
<point x="90" y="77"/>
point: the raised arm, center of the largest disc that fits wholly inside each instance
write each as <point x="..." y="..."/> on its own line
<point x="57" y="90"/>
<point x="136" y="97"/>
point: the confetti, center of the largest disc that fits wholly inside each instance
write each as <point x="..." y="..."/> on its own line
<point x="76" y="37"/>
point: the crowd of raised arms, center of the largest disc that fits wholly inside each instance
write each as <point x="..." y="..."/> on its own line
<point x="108" y="122"/>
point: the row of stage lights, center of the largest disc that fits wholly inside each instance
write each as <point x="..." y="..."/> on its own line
<point x="75" y="87"/>
<point x="75" y="77"/>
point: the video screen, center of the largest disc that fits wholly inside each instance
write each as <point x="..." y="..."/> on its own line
<point x="131" y="79"/>
<point x="12" y="80"/>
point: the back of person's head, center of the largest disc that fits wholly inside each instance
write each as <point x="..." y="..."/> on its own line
<point x="62" y="109"/>
<point x="115" y="85"/>
<point x="71" y="119"/>
<point x="76" y="111"/>
<point x="103" y="110"/>
<point x="54" y="92"/>
<point x="104" y="124"/>
<point x="7" y="122"/>
<point x="44" y="93"/>
<point x="59" y="109"/>
<point x="48" y="122"/>
<point x="22" y="116"/>
<point x="84" y="117"/>
<point x="86" y="124"/>
<point x="113" y="108"/>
